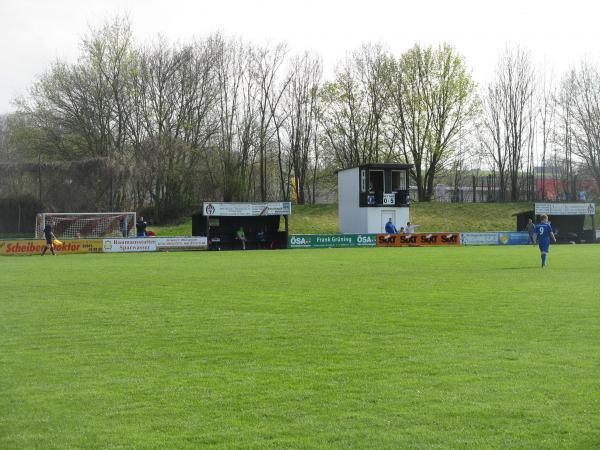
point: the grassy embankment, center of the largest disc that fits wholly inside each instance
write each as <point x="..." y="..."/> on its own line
<point x="315" y="219"/>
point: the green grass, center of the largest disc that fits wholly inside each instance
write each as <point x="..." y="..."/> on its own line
<point x="314" y="219"/>
<point x="182" y="229"/>
<point x="467" y="216"/>
<point x="472" y="347"/>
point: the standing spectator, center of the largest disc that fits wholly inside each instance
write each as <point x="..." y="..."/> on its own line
<point x="125" y="227"/>
<point x="240" y="235"/>
<point x="140" y="227"/>
<point x="531" y="231"/>
<point x="410" y="228"/>
<point x="390" y="228"/>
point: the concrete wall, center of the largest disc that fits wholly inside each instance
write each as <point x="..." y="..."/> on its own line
<point x="352" y="219"/>
<point x="376" y="218"/>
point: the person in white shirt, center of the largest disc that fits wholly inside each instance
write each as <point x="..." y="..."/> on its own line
<point x="410" y="228"/>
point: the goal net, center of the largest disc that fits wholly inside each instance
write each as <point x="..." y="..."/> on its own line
<point x="86" y="225"/>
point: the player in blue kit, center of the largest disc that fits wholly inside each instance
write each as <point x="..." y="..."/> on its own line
<point x="543" y="233"/>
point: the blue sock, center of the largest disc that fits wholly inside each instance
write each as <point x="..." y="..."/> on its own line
<point x="543" y="259"/>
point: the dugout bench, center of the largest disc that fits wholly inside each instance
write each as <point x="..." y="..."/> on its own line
<point x="568" y="220"/>
<point x="220" y="221"/>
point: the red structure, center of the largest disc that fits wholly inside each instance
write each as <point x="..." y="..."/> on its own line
<point x="555" y="189"/>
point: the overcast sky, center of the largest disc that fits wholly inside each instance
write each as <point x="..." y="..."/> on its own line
<point x="34" y="33"/>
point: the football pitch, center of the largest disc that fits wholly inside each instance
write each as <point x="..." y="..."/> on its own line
<point x="472" y="347"/>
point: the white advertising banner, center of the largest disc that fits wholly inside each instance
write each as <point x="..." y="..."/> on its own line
<point x="247" y="209"/>
<point x="485" y="238"/>
<point x="129" y="245"/>
<point x="565" y="209"/>
<point x="182" y="242"/>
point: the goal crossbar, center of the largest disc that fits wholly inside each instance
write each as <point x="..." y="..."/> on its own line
<point x="87" y="225"/>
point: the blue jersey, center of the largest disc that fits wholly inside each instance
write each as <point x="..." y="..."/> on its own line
<point x="390" y="228"/>
<point x="542" y="231"/>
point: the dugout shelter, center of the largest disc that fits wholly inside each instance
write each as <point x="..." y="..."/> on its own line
<point x="219" y="222"/>
<point x="568" y="220"/>
<point x="371" y="194"/>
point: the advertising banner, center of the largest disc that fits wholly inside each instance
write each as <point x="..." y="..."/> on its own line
<point x="565" y="209"/>
<point x="331" y="240"/>
<point x="129" y="245"/>
<point x="181" y="243"/>
<point x="513" y="238"/>
<point x="417" y="239"/>
<point x="247" y="209"/>
<point x="35" y="246"/>
<point x="484" y="238"/>
<point x="495" y="238"/>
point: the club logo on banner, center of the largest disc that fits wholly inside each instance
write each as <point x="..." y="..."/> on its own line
<point x="417" y="239"/>
<point x="209" y="210"/>
<point x="513" y="238"/>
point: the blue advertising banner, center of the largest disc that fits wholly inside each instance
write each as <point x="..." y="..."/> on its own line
<point x="495" y="238"/>
<point x="513" y="238"/>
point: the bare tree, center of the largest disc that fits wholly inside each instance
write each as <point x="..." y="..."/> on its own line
<point x="265" y="64"/>
<point x="301" y="106"/>
<point x="433" y="101"/>
<point x="547" y="114"/>
<point x="353" y="116"/>
<point x="491" y="135"/>
<point x="508" y="118"/>
<point x="237" y="115"/>
<point x="5" y="153"/>
<point x="79" y="107"/>
<point x="581" y="107"/>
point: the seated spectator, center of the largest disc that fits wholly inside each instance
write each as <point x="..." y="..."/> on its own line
<point x="261" y="238"/>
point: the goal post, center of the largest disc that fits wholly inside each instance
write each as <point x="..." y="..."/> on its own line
<point x="86" y="225"/>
